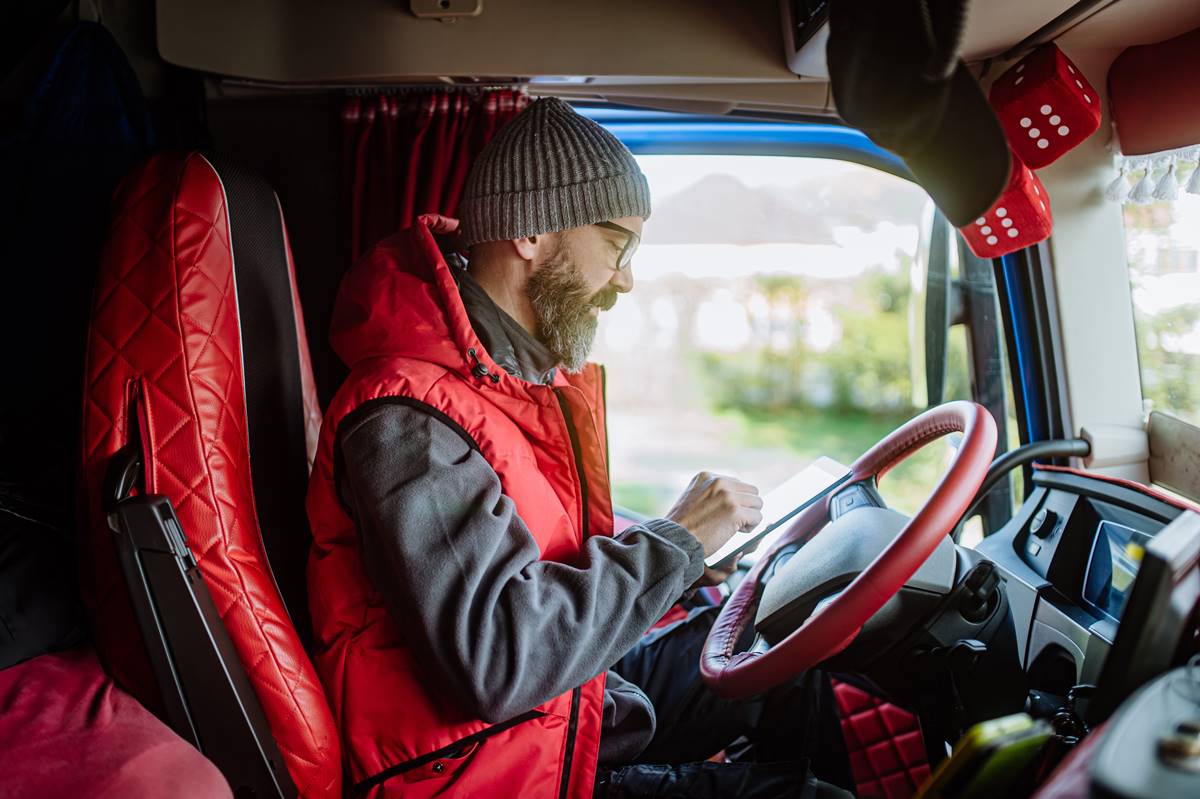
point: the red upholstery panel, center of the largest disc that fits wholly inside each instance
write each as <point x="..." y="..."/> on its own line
<point x="312" y="407"/>
<point x="887" y="752"/>
<point x="1154" y="92"/>
<point x="165" y="336"/>
<point x="66" y="730"/>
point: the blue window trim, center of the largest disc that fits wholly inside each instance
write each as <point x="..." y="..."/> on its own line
<point x="666" y="133"/>
<point x="662" y="132"/>
<point x="1024" y="337"/>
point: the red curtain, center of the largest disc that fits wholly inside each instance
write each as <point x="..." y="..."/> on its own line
<point x="408" y="154"/>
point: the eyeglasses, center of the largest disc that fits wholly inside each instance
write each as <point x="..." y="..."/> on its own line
<point x="632" y="240"/>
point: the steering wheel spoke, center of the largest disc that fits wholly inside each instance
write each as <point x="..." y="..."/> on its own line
<point x="862" y="494"/>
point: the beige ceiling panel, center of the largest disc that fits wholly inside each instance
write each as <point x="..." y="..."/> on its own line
<point x="995" y="26"/>
<point x="790" y="96"/>
<point x="375" y="41"/>
<point x="1128" y="23"/>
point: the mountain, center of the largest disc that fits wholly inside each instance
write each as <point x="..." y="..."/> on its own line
<point x="719" y="209"/>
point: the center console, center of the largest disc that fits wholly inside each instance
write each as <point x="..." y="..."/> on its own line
<point x="1069" y="558"/>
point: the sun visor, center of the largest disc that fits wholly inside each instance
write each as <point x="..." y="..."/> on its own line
<point x="1154" y="93"/>
<point x="897" y="77"/>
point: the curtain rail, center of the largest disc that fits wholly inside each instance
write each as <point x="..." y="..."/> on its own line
<point x="359" y="89"/>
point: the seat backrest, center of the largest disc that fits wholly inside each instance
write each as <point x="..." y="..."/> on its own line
<point x="197" y="351"/>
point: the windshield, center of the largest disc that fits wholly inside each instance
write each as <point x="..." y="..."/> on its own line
<point x="768" y="326"/>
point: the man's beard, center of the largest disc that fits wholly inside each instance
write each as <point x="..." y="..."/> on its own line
<point x="562" y="308"/>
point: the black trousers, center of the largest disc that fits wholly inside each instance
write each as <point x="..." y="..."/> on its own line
<point x="786" y="742"/>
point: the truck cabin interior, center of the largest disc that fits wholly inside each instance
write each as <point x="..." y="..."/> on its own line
<point x="954" y="246"/>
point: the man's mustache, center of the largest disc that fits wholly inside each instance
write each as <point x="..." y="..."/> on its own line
<point x="605" y="299"/>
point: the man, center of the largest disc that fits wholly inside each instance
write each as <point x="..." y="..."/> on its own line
<point x="468" y="596"/>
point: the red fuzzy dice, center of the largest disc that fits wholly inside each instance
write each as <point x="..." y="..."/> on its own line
<point x="1019" y="218"/>
<point x="1045" y="105"/>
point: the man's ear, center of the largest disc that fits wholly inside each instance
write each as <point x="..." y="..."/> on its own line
<point x="527" y="247"/>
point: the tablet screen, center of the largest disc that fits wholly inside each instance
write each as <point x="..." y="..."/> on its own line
<point x="784" y="502"/>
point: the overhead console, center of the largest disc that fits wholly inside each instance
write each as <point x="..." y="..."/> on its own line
<point x="705" y="56"/>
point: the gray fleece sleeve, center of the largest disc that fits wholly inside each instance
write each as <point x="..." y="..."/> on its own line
<point x="446" y="549"/>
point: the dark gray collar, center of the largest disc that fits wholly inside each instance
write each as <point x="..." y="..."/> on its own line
<point x="511" y="346"/>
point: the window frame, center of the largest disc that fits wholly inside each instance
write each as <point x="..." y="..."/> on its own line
<point x="1024" y="285"/>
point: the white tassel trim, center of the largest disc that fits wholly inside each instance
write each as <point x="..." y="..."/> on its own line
<point x="1143" y="192"/>
<point x="1155" y="184"/>
<point x="1193" y="185"/>
<point x="1118" y="190"/>
<point x="1168" y="185"/>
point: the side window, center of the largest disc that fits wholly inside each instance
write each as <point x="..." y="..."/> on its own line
<point x="768" y="326"/>
<point x="1162" y="244"/>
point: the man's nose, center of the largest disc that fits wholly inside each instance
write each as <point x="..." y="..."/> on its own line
<point x="622" y="279"/>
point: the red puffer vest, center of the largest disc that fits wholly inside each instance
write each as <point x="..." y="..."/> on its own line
<point x="400" y="325"/>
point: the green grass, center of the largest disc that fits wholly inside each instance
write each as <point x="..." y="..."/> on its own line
<point x="650" y="499"/>
<point x="811" y="434"/>
<point x="843" y="437"/>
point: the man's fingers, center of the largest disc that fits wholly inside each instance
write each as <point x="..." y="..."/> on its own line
<point x="750" y="518"/>
<point x="744" y="488"/>
<point x="750" y="500"/>
<point x="734" y="484"/>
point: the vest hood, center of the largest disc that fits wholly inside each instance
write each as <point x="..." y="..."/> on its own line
<point x="402" y="300"/>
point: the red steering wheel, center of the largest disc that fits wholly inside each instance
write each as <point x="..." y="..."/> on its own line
<point x="832" y="628"/>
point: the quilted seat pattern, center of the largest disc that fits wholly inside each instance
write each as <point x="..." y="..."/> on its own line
<point x="887" y="751"/>
<point x="165" y="337"/>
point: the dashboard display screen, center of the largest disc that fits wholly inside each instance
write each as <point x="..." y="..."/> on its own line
<point x="1116" y="555"/>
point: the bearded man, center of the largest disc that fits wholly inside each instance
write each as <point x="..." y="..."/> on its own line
<point x="479" y="626"/>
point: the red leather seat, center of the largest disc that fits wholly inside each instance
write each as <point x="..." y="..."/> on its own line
<point x="884" y="742"/>
<point x="197" y="339"/>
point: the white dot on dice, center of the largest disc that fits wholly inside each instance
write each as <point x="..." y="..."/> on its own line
<point x="1063" y="130"/>
<point x="1026" y="122"/>
<point x="1089" y="99"/>
<point x="1020" y="67"/>
<point x="980" y="221"/>
<point x="1046" y="109"/>
<point x="1043" y="203"/>
<point x="1079" y="84"/>
<point x="1012" y="233"/>
<point x="1071" y="69"/>
<point x="1054" y="120"/>
<point x="986" y="229"/>
<point x="992" y="239"/>
<point x="1043" y="144"/>
<point x="1001" y="212"/>
<point x="1006" y="222"/>
<point x="1034" y="133"/>
<point x="1018" y="81"/>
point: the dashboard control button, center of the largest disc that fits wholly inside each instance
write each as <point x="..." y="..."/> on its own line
<point x="1034" y="547"/>
<point x="1043" y="523"/>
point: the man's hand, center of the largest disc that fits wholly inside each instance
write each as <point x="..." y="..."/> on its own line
<point x="714" y="507"/>
<point x="713" y="576"/>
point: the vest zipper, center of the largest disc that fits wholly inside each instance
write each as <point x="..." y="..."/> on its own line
<point x="570" y="755"/>
<point x="577" y="451"/>
<point x="451" y="750"/>
<point x="604" y="413"/>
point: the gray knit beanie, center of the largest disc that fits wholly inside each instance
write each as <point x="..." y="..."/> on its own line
<point x="550" y="169"/>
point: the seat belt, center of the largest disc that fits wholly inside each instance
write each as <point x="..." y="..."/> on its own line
<point x="207" y="697"/>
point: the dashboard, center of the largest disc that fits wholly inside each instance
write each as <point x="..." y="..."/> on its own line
<point x="1068" y="559"/>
